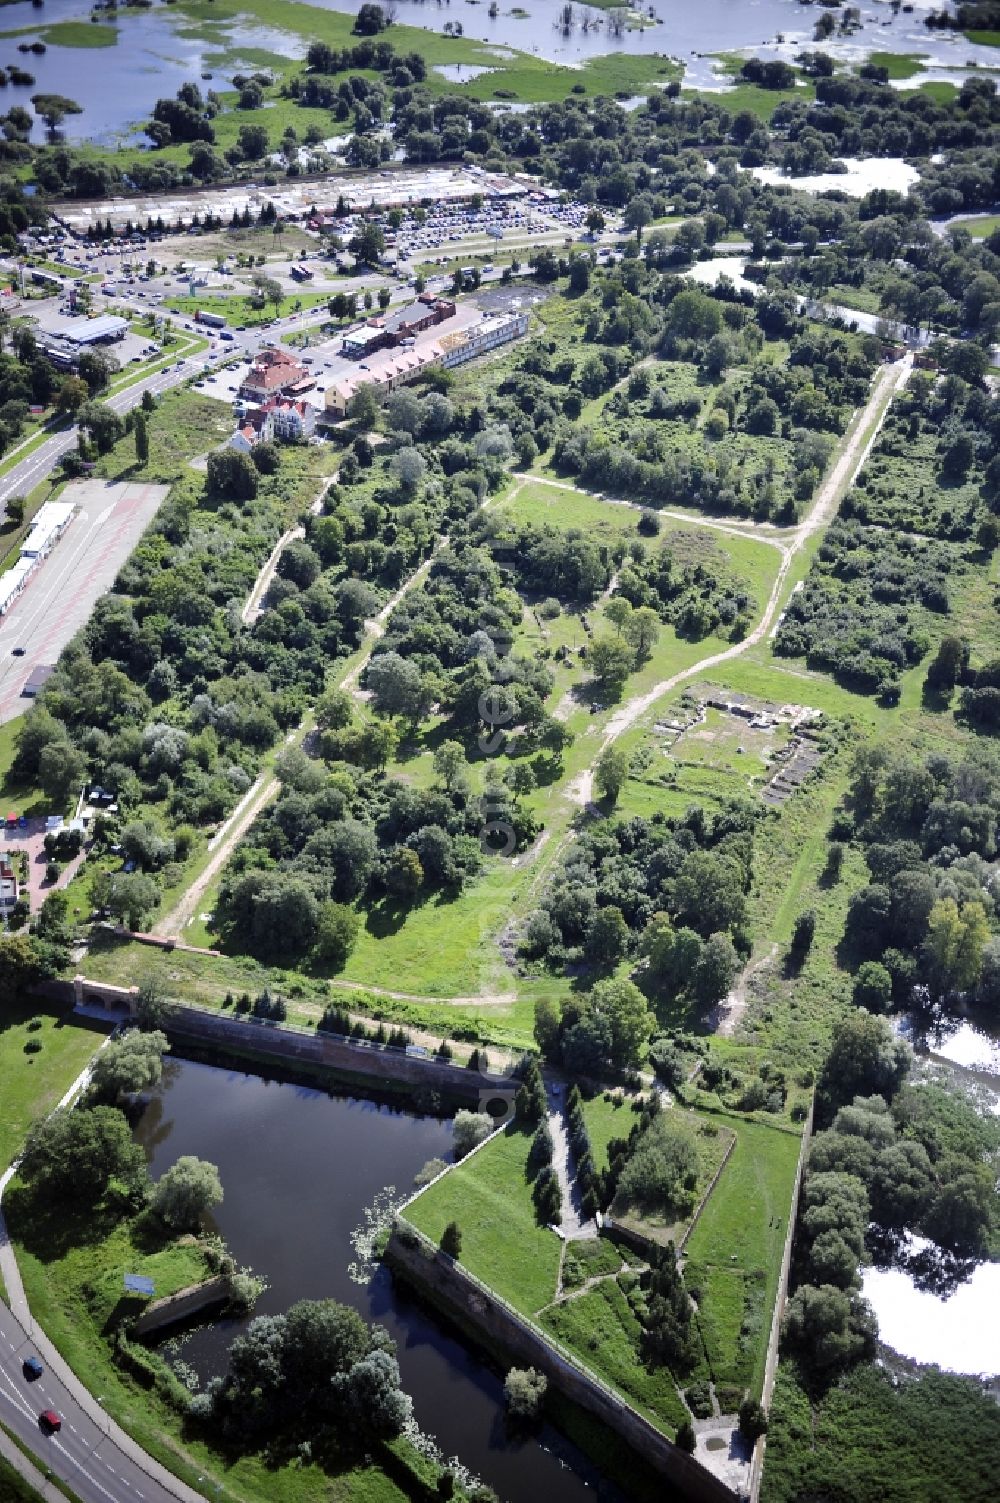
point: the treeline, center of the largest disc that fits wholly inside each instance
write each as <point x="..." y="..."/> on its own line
<point x="892" y="1159"/>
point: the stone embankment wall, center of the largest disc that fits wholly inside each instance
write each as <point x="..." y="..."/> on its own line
<point x="182" y="1305"/>
<point x="508" y="1335"/>
<point x="771" y="1364"/>
<point x="291" y="1047"/>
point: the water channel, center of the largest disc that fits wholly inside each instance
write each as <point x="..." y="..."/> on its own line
<point x="155" y="51"/>
<point x="299" y="1167"/>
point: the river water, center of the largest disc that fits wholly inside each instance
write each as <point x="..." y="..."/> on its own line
<point x="959" y="1328"/>
<point x="157" y="50"/>
<point x="298" y="1168"/>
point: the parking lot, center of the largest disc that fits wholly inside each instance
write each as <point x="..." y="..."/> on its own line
<point x="61" y="593"/>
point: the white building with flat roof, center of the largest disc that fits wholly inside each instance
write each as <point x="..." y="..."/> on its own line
<point x="50" y="522"/>
<point x="95" y="330"/>
<point x="13" y="581"/>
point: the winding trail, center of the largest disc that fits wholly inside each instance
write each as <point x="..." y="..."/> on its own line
<point x="852" y="456"/>
<point x="853" y="453"/>
<point x="267" y="785"/>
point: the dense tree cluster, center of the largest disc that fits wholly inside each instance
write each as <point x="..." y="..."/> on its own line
<point x="770" y="433"/>
<point x="317" y="1373"/>
<point x="923" y="930"/>
<point x="860" y="614"/>
<point x="678" y="887"/>
<point x="957" y="424"/>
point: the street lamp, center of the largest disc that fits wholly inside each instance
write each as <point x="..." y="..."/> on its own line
<point x="107" y="1425"/>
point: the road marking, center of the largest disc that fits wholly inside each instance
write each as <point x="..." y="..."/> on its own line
<point x="83" y="1470"/>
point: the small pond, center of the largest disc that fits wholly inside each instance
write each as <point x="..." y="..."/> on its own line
<point x="958" y="1329"/>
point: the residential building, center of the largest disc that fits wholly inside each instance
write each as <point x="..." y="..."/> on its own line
<point x="291" y="421"/>
<point x="255" y="427"/>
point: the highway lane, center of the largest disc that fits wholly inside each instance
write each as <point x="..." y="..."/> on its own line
<point x="84" y="1453"/>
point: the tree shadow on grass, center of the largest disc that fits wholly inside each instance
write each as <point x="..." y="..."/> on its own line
<point x="50" y="1231"/>
<point x="388" y="915"/>
<point x="935" y="701"/>
<point x="147" y="1233"/>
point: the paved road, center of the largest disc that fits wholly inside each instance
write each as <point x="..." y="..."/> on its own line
<point x="83" y="1454"/>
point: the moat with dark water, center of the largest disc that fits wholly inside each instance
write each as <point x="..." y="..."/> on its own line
<point x="299" y="1168"/>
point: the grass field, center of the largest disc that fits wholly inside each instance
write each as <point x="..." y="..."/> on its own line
<point x="33" y="1083"/>
<point x="604" y="1333"/>
<point x="13" y="1488"/>
<point x="741" y="1231"/>
<point x="606" y="1120"/>
<point x="239" y="310"/>
<point x="502" y="1244"/>
<point x="899" y="64"/>
<point x="978" y="228"/>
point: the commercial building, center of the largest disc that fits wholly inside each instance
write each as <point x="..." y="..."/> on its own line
<point x="397" y="327"/>
<point x="270" y="375"/>
<point x="13" y="581"/>
<point x="35" y="683"/>
<point x="390" y="368"/>
<point x="495" y="329"/>
<point x="101" y="330"/>
<point x="399" y="367"/>
<point x="51" y="521"/>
